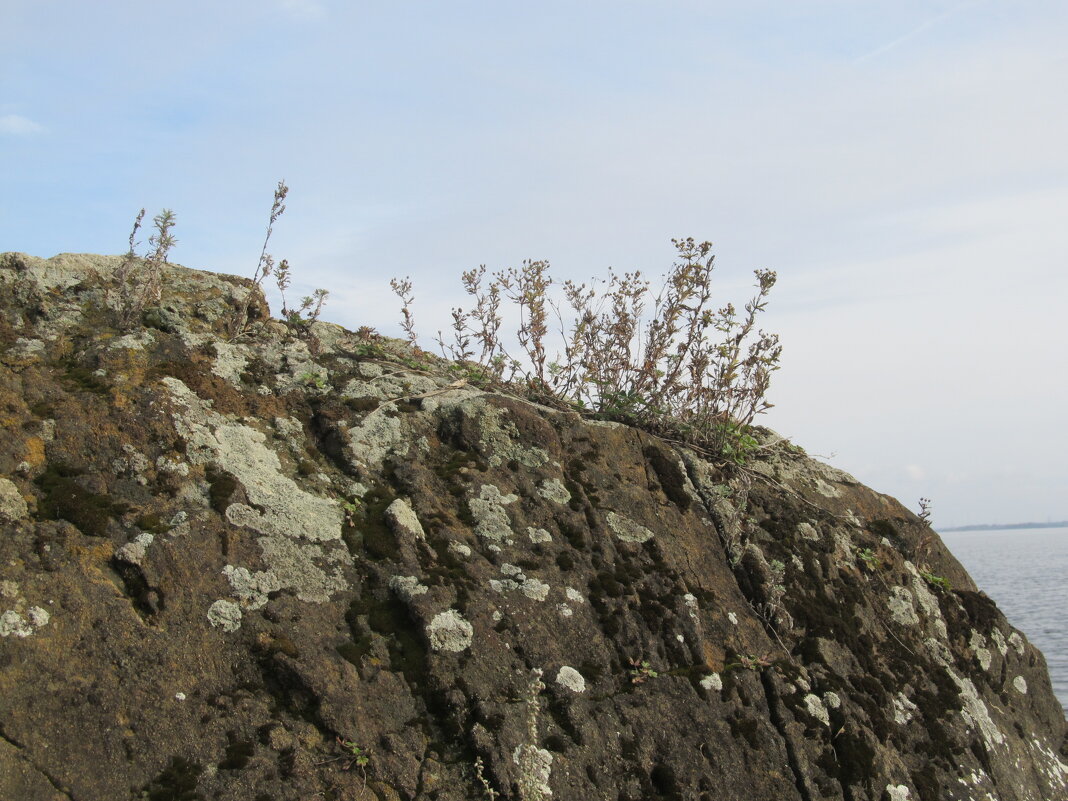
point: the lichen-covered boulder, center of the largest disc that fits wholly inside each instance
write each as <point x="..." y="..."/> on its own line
<point x="309" y="563"/>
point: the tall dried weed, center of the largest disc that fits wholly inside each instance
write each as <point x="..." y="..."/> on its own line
<point x="673" y="364"/>
<point x="140" y="279"/>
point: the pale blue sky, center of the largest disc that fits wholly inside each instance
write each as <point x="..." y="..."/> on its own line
<point x="900" y="164"/>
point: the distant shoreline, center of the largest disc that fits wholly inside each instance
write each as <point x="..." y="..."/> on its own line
<point x="1004" y="526"/>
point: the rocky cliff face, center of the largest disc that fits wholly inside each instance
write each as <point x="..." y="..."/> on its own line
<point x="312" y="564"/>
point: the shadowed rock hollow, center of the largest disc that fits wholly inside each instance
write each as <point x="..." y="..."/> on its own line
<point x="314" y="564"/>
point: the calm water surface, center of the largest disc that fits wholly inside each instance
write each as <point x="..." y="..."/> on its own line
<point x="1025" y="571"/>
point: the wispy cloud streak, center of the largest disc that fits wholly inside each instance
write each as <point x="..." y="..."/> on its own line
<point x="923" y="26"/>
<point x="15" y="125"/>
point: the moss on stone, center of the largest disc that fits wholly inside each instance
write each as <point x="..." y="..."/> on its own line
<point x="66" y="499"/>
<point x="176" y="782"/>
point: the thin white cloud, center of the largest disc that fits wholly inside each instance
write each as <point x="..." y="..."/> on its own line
<point x="923" y="26"/>
<point x="15" y="125"/>
<point x="915" y="472"/>
<point x="303" y="9"/>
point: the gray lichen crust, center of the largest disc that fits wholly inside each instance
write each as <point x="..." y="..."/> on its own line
<point x="448" y="631"/>
<point x="306" y="562"/>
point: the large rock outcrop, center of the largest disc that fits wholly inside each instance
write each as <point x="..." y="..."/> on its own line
<point x="308" y="563"/>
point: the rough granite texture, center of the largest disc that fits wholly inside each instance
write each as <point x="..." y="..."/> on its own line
<point x="227" y="565"/>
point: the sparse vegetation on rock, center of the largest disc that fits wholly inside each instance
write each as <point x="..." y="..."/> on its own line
<point x="318" y="563"/>
<point x="673" y="364"/>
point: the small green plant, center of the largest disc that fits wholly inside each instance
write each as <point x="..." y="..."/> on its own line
<point x="640" y="670"/>
<point x="310" y="379"/>
<point x="750" y="662"/>
<point x="350" y="508"/>
<point x="737" y="444"/>
<point x="938" y="582"/>
<point x="358" y="757"/>
<point x="869" y="557"/>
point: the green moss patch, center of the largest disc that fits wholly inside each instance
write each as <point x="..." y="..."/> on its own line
<point x="66" y="499"/>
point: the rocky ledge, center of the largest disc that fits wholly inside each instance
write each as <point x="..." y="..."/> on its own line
<point x="311" y="563"/>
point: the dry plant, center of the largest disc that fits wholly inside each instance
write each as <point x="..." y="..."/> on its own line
<point x="140" y="279"/>
<point x="673" y="364"/>
<point x="310" y="306"/>
<point x="264" y="267"/>
<point x="534" y="764"/>
<point x="403" y="290"/>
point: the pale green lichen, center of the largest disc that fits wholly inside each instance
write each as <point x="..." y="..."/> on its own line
<point x="815" y="707"/>
<point x="901" y="607"/>
<point x="225" y="615"/>
<point x="713" y="682"/>
<point x="532" y="588"/>
<point x="377" y="436"/>
<point x="539" y="535"/>
<point x="928" y="603"/>
<point x="294" y="565"/>
<point x="299" y="531"/>
<point x="974" y="711"/>
<point x="14" y="624"/>
<point x="574" y="595"/>
<point x="491" y="518"/>
<point x="627" y="530"/>
<point x="535" y="764"/>
<point x="448" y="631"/>
<point x="407" y="587"/>
<point x="287" y="510"/>
<point x="403" y="520"/>
<point x="12" y="505"/>
<point x="251" y="588"/>
<point x="1017" y="642"/>
<point x="20" y="622"/>
<point x="134" y="552"/>
<point x="290" y="430"/>
<point x="904" y="709"/>
<point x="571" y="679"/>
<point x="499" y="441"/>
<point x="230" y="361"/>
<point x="982" y="653"/>
<point x="460" y="549"/>
<point x="827" y="490"/>
<point x="552" y="489"/>
<point x="134" y="463"/>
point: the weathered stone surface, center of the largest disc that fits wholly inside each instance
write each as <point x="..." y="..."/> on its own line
<point x="308" y="564"/>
